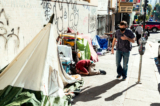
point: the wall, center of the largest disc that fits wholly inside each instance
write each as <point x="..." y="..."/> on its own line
<point x="21" y="20"/>
<point x="103" y="7"/>
<point x="94" y="2"/>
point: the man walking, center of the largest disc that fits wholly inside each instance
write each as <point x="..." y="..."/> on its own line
<point x="139" y="32"/>
<point x="124" y="39"/>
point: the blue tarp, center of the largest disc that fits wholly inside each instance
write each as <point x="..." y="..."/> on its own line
<point x="103" y="43"/>
<point x="95" y="42"/>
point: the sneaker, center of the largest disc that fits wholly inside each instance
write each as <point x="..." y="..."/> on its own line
<point x="119" y="76"/>
<point x="102" y="72"/>
<point x="124" y="79"/>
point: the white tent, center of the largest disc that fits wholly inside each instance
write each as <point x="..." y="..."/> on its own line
<point x="38" y="67"/>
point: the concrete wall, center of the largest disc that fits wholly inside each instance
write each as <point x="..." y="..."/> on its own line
<point x="21" y="20"/>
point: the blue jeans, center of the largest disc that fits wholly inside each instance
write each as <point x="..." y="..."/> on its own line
<point x="122" y="71"/>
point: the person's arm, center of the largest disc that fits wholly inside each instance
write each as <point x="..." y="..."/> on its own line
<point x="83" y="71"/>
<point x="131" y="40"/>
<point x="113" y="43"/>
<point x="127" y="38"/>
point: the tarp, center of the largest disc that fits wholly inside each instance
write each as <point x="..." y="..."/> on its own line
<point x="83" y="46"/>
<point x="37" y="68"/>
<point x="95" y="42"/>
<point x="94" y="56"/>
<point x="102" y="42"/>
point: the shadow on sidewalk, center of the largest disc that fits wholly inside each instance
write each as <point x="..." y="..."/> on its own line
<point x="118" y="94"/>
<point x="155" y="104"/>
<point x="95" y="92"/>
<point x="157" y="62"/>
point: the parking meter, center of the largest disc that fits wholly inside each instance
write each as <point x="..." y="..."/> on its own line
<point x="142" y="46"/>
<point x="146" y="35"/>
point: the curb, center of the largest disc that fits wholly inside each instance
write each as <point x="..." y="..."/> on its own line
<point x="155" y="67"/>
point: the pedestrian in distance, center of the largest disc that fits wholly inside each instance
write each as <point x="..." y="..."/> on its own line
<point x="134" y="22"/>
<point x="139" y="32"/>
<point x="148" y="31"/>
<point x="124" y="39"/>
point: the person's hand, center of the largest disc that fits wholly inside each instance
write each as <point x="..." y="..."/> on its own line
<point x="112" y="51"/>
<point x="124" y="37"/>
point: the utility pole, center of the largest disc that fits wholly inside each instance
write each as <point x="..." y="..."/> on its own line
<point x="142" y="43"/>
<point x="144" y="19"/>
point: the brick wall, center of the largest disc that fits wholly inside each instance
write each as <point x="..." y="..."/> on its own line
<point x="21" y="20"/>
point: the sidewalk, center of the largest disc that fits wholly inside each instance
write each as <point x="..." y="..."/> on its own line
<point x="108" y="91"/>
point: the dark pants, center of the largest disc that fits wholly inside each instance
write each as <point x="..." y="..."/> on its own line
<point x="138" y="36"/>
<point x="119" y="55"/>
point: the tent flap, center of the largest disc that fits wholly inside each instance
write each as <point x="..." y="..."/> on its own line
<point x="16" y="96"/>
<point x="35" y="76"/>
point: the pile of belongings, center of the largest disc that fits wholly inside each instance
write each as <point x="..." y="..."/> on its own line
<point x="94" y="56"/>
<point x="36" y="77"/>
<point x="84" y="45"/>
<point x="65" y="53"/>
<point x="101" y="51"/>
<point x="101" y="42"/>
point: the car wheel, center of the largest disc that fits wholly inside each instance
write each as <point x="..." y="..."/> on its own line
<point x="159" y="52"/>
<point x="154" y="30"/>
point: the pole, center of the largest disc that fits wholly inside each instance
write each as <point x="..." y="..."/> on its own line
<point x="108" y="24"/>
<point x="144" y="20"/>
<point x="108" y="16"/>
<point x="140" y="67"/>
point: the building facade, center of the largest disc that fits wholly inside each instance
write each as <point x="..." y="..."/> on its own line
<point x="22" y="20"/>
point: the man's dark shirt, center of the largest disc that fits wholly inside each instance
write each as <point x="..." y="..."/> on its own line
<point x="124" y="45"/>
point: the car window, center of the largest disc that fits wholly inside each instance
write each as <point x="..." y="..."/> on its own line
<point x="152" y="23"/>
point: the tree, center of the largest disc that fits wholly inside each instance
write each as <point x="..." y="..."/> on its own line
<point x="149" y="8"/>
<point x="157" y="13"/>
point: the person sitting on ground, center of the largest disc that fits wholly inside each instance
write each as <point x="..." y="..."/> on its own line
<point x="86" y="67"/>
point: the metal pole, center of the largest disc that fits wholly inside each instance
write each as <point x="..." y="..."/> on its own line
<point x="144" y="19"/>
<point x="140" y="67"/>
<point x="108" y="24"/>
<point x="98" y="24"/>
<point x="140" y="64"/>
<point x="108" y="16"/>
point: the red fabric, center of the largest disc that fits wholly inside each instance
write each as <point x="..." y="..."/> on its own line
<point x="70" y="30"/>
<point x="94" y="56"/>
<point x="82" y="64"/>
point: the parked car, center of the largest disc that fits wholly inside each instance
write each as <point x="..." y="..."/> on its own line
<point x="153" y="26"/>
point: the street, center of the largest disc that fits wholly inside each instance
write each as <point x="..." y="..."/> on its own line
<point x="108" y="91"/>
